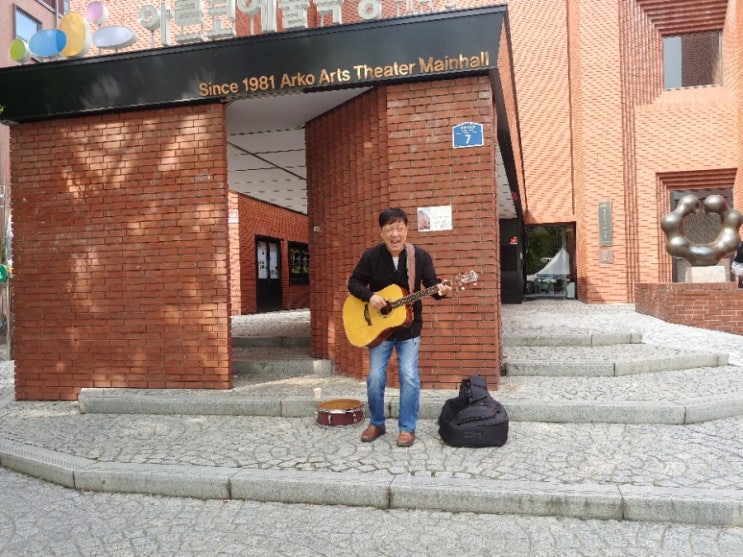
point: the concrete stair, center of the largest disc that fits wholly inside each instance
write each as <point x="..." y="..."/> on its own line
<point x="603" y="426"/>
<point x="258" y="359"/>
<point x="615" y="378"/>
<point x="571" y="378"/>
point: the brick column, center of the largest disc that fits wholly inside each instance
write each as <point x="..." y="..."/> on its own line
<point x="121" y="261"/>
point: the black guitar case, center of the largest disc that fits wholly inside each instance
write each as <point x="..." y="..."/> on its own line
<point x="474" y="418"/>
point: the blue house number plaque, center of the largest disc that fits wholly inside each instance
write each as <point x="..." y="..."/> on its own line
<point x="467" y="134"/>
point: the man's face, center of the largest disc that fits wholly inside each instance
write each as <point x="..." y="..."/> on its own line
<point x="394" y="235"/>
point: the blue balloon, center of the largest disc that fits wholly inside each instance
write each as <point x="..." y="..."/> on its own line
<point x="47" y="43"/>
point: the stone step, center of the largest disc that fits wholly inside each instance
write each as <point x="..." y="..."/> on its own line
<point x="282" y="369"/>
<point x="560" y="459"/>
<point x="258" y="342"/>
<point x="572" y="338"/>
<point x="657" y="472"/>
<point x="671" y="397"/>
<point x="592" y="473"/>
<point x="603" y="360"/>
<point x="263" y="361"/>
<point x="599" y="378"/>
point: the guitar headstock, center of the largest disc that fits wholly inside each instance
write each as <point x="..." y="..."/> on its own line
<point x="461" y="280"/>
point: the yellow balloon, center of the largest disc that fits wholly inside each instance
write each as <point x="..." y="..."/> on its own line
<point x="19" y="51"/>
<point x="77" y="30"/>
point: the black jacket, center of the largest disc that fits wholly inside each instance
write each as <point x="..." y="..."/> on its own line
<point x="739" y="254"/>
<point x="376" y="270"/>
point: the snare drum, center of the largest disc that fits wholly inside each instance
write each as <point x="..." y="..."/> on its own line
<point x="341" y="411"/>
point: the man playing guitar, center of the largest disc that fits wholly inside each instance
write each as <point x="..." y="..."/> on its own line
<point x="379" y="267"/>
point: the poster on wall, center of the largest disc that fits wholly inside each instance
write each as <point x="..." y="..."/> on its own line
<point x="262" y="250"/>
<point x="273" y="260"/>
<point x="431" y="219"/>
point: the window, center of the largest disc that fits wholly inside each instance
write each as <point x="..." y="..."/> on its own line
<point x="25" y="25"/>
<point x="692" y="60"/>
<point x="63" y="6"/>
<point x="299" y="263"/>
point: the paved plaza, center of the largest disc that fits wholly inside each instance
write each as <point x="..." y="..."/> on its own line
<point x="41" y="519"/>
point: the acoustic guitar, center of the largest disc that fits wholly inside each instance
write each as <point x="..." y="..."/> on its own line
<point x="366" y="326"/>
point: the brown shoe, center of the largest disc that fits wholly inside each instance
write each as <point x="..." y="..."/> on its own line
<point x="406" y="438"/>
<point x="371" y="433"/>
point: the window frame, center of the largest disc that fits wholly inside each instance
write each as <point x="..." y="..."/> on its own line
<point x="20" y="11"/>
<point x="60" y="7"/>
<point x="676" y="58"/>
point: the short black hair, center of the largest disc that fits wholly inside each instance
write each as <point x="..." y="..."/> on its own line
<point x="393" y="214"/>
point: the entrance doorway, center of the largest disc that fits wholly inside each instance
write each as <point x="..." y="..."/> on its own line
<point x="268" y="281"/>
<point x="549" y="262"/>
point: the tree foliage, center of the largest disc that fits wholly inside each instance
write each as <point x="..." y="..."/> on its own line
<point x="543" y="243"/>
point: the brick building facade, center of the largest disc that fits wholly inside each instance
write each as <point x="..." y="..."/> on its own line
<point x="590" y="124"/>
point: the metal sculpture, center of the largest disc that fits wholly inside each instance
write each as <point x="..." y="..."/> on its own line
<point x="702" y="255"/>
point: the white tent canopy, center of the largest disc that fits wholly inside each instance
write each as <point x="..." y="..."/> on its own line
<point x="558" y="266"/>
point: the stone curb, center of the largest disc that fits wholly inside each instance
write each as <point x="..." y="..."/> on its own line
<point x="284" y="368"/>
<point x="41" y="463"/>
<point x="614" y="368"/>
<point x="200" y="482"/>
<point x="723" y="507"/>
<point x="271" y="342"/>
<point x="575" y="339"/>
<point x="683" y="411"/>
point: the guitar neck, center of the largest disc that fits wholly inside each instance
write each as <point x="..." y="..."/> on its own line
<point x="412" y="298"/>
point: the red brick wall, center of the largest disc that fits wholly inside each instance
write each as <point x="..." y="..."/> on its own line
<point x="235" y="254"/>
<point x="263" y="219"/>
<point x="121" y="252"/>
<point x="392" y="147"/>
<point x="347" y="175"/>
<point x="508" y="88"/>
<point x="715" y="306"/>
<point x="597" y="40"/>
<point x="578" y="155"/>
<point x="733" y="78"/>
<point x="539" y="36"/>
<point x="642" y="79"/>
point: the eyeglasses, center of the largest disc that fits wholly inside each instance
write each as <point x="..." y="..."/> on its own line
<point x="397" y="227"/>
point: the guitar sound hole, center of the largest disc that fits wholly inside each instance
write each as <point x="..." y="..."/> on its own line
<point x="386" y="310"/>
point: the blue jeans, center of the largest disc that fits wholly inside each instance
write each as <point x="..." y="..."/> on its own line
<point x="410" y="385"/>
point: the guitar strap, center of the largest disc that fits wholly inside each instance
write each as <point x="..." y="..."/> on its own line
<point x="410" y="250"/>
